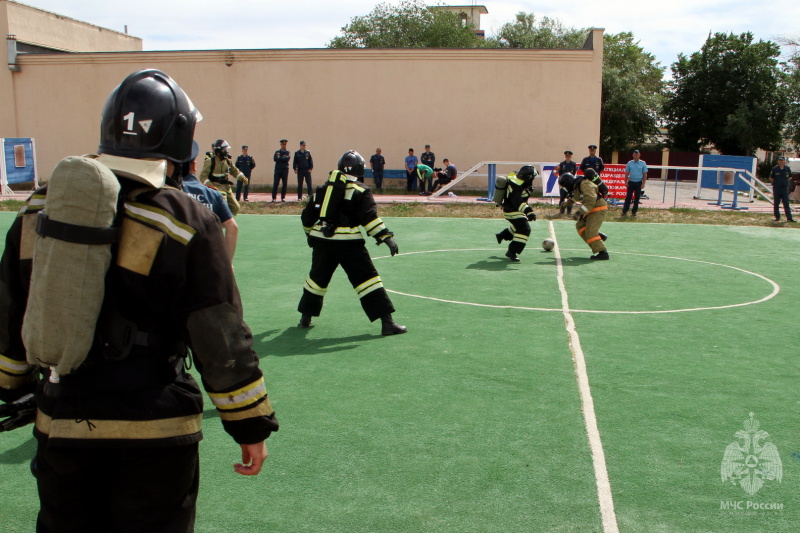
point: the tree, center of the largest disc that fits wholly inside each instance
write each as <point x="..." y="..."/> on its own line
<point x="526" y="33"/>
<point x="792" y="69"/>
<point x="410" y="24"/>
<point x="730" y="94"/>
<point x="633" y="93"/>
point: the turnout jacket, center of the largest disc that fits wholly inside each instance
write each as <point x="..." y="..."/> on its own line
<point x="355" y="208"/>
<point x="588" y="193"/>
<point x="170" y="286"/>
<point x="222" y="168"/>
<point x="515" y="204"/>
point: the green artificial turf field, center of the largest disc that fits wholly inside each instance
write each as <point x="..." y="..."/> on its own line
<point x="473" y="421"/>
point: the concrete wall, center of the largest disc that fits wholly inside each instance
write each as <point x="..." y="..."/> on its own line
<point x="50" y="30"/>
<point x="470" y="105"/>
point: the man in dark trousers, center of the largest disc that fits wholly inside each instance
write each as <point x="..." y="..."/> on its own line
<point x="780" y="176"/>
<point x="118" y="434"/>
<point x="303" y="165"/>
<point x="376" y="163"/>
<point x="281" y="176"/>
<point x="567" y="166"/>
<point x="245" y="163"/>
<point x="332" y="221"/>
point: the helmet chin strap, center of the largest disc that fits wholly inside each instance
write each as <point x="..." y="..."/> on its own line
<point x="175" y="180"/>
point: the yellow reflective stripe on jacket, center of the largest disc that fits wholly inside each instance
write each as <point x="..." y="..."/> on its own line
<point x="374" y="227"/>
<point x="118" y="429"/>
<point x="176" y="229"/>
<point x="342" y="234"/>
<point x="34" y="204"/>
<point x="12" y="366"/>
<point x="514" y="214"/>
<point x="239" y="398"/>
<point x="262" y="409"/>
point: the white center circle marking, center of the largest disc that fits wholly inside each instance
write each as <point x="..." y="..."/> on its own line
<point x="775" y="288"/>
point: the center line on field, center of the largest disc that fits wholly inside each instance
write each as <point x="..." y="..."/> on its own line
<point x="604" y="496"/>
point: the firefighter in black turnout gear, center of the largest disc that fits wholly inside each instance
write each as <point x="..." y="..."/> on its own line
<point x="517" y="211"/>
<point x="332" y="220"/>
<point x="118" y="435"/>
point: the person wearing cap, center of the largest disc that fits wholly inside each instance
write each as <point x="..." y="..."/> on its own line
<point x="780" y="176"/>
<point x="428" y="157"/>
<point x="635" y="178"/>
<point x="212" y="199"/>
<point x="303" y="164"/>
<point x="246" y="164"/>
<point x="567" y="166"/>
<point x="592" y="161"/>
<point x="281" y="175"/>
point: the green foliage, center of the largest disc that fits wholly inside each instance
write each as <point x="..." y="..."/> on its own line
<point x="729" y="94"/>
<point x="793" y="96"/>
<point x="410" y="24"/>
<point x="633" y="93"/>
<point x="548" y="33"/>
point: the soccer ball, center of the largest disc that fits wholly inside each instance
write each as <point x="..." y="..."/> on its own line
<point x="548" y="245"/>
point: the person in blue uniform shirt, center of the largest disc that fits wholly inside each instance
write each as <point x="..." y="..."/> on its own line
<point x="303" y="165"/>
<point x="411" y="162"/>
<point x="281" y="175"/>
<point x="245" y="163"/>
<point x="592" y="161"/>
<point x="780" y="176"/>
<point x="567" y="166"/>
<point x="635" y="178"/>
<point x="212" y="199"/>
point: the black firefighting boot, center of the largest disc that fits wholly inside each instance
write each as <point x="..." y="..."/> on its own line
<point x="499" y="237"/>
<point x="512" y="256"/>
<point x="600" y="256"/>
<point x="305" y="321"/>
<point x="390" y="327"/>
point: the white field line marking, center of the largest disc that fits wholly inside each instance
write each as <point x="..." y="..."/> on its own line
<point x="775" y="289"/>
<point x="604" y="495"/>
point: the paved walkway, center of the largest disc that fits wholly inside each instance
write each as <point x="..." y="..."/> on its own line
<point x="661" y="195"/>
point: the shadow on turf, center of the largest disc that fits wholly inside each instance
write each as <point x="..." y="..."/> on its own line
<point x="495" y="263"/>
<point x="21" y="454"/>
<point x="292" y="341"/>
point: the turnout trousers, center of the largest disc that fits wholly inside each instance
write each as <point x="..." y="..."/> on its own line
<point x="226" y="190"/>
<point x="326" y="256"/>
<point x="125" y="490"/>
<point x="519" y="238"/>
<point x="589" y="227"/>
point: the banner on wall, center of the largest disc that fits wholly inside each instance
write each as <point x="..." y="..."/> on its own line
<point x="613" y="176"/>
<point x="18" y="164"/>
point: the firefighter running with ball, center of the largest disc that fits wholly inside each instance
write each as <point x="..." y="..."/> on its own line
<point x="511" y="193"/>
<point x="588" y="196"/>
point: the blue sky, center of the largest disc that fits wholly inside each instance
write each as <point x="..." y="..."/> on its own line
<point x="664" y="29"/>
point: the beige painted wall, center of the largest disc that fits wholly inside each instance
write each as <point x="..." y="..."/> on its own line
<point x="470" y="105"/>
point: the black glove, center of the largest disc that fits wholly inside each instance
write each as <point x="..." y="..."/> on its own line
<point x="577" y="215"/>
<point x="19" y="413"/>
<point x="392" y="246"/>
<point x="532" y="216"/>
<point x="310" y="241"/>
